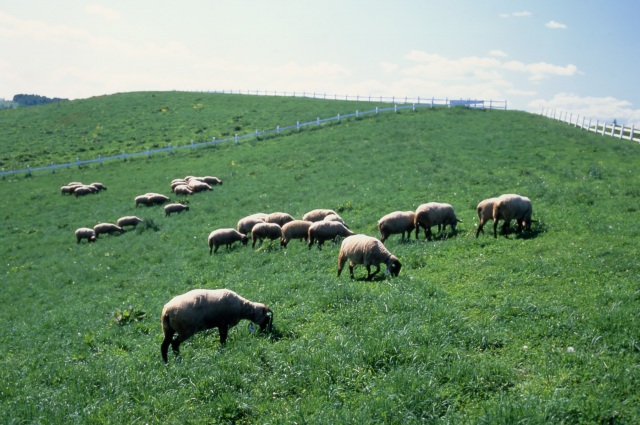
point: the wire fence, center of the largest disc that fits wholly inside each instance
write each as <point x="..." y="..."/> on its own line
<point x="603" y="128"/>
<point x="415" y="104"/>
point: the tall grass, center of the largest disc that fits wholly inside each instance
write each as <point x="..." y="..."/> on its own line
<point x="534" y="328"/>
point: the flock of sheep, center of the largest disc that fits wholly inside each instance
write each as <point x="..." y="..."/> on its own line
<point x="202" y="309"/>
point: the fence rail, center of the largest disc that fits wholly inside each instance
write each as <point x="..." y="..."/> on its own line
<point x="603" y="128"/>
<point x="404" y="104"/>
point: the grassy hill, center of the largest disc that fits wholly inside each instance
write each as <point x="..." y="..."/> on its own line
<point x="539" y="328"/>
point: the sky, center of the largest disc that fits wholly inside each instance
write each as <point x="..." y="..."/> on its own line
<point x="578" y="56"/>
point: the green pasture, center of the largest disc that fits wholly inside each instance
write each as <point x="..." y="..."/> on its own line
<point x="536" y="328"/>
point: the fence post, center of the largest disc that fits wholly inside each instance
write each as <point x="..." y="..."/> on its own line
<point x="257" y="134"/>
<point x="214" y="140"/>
<point x="604" y="127"/>
<point x="318" y="121"/>
<point x="236" y="138"/>
<point x="630" y="136"/>
<point x="377" y="108"/>
<point x="170" y="148"/>
<point x="395" y="108"/>
<point x="53" y="168"/>
<point x="3" y="173"/>
<point x="28" y="170"/>
<point x="582" y="124"/>
<point x="357" y="114"/>
<point x="278" y="130"/>
<point x="78" y="161"/>
<point x="124" y="156"/>
<point x="298" y="125"/>
<point x="613" y="128"/>
<point x="192" y="146"/>
<point x="621" y="130"/>
<point x="338" y="118"/>
<point x="414" y="107"/>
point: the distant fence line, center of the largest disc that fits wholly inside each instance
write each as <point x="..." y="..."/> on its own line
<point x="424" y="103"/>
<point x="602" y="128"/>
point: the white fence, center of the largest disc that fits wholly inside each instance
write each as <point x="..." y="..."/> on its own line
<point x="603" y="128"/>
<point x="425" y="103"/>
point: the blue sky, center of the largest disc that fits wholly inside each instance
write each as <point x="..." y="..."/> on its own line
<point x="569" y="55"/>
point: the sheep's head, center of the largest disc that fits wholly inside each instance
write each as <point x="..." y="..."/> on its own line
<point x="393" y="266"/>
<point x="265" y="319"/>
<point x="244" y="239"/>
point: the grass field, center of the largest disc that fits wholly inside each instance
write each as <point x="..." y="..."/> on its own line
<point x="535" y="328"/>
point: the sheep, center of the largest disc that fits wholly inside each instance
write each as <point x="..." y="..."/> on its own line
<point x="326" y="230"/>
<point x="367" y="250"/>
<point x="66" y="190"/>
<point x="143" y="200"/>
<point x="245" y="225"/>
<point x="226" y="236"/>
<point x="174" y="208"/>
<point x="98" y="186"/>
<point x="317" y="215"/>
<point x="296" y="229"/>
<point x="198" y="186"/>
<point x="335" y="217"/>
<point x="109" y="228"/>
<point x="202" y="309"/>
<point x="182" y="189"/>
<point x="432" y="214"/>
<point x="279" y="218"/>
<point x="211" y="180"/>
<point x="86" y="233"/>
<point x="83" y="190"/>
<point x="512" y="207"/>
<point x="128" y="220"/>
<point x="485" y="213"/>
<point x="396" y="222"/>
<point x="177" y="183"/>
<point x="263" y="231"/>
<point x="158" y="199"/>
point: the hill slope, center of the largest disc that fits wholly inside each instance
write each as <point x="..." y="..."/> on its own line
<point x="541" y="327"/>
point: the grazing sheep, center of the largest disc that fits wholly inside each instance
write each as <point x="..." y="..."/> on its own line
<point x="367" y="250"/>
<point x="83" y="190"/>
<point x="279" y="218"/>
<point x="128" y="220"/>
<point x="107" y="228"/>
<point x="245" y="225"/>
<point x="263" y="231"/>
<point x="157" y="198"/>
<point x="202" y="309"/>
<point x="296" y="229"/>
<point x="226" y="237"/>
<point x="174" y="208"/>
<point x="435" y="214"/>
<point x="143" y="200"/>
<point x="512" y="207"/>
<point x="485" y="213"/>
<point x="177" y="183"/>
<point x="182" y="189"/>
<point x="99" y="186"/>
<point x="66" y="190"/>
<point x="213" y="181"/>
<point x="396" y="222"/>
<point x="335" y="217"/>
<point x="317" y="215"/>
<point x="198" y="186"/>
<point x="325" y="231"/>
<point x="86" y="233"/>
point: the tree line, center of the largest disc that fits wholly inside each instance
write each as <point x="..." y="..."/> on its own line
<point x="34" y="99"/>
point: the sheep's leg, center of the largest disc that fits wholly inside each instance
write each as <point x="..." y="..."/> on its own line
<point x="164" y="348"/>
<point x="351" y="266"/>
<point x="480" y="228"/>
<point x="224" y="332"/>
<point x="371" y="275"/>
<point x="495" y="228"/>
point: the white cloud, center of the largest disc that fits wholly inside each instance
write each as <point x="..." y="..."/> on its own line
<point x="522" y="14"/>
<point x="102" y="11"/>
<point x="555" y="25"/>
<point x="498" y="53"/>
<point x="541" y="70"/>
<point x="600" y="108"/>
<point x="388" y="67"/>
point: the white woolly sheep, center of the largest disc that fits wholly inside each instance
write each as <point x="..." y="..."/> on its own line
<point x="396" y="222"/>
<point x="83" y="190"/>
<point x="335" y="217"/>
<point x="86" y="233"/>
<point x="279" y="218"/>
<point x="369" y="251"/>
<point x="226" y="236"/>
<point x="322" y="231"/>
<point x="107" y="228"/>
<point x="157" y="198"/>
<point x="174" y="208"/>
<point x="245" y="225"/>
<point x="296" y="229"/>
<point x="263" y="230"/>
<point x="143" y="200"/>
<point x="198" y="186"/>
<point x="182" y="189"/>
<point x="317" y="215"/>
<point x="202" y="309"/>
<point x="66" y="190"/>
<point x="128" y="220"/>
<point x="485" y="213"/>
<point x="213" y="181"/>
<point x="435" y="214"/>
<point x="98" y="186"/>
<point x="177" y="183"/>
<point x="512" y="207"/>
